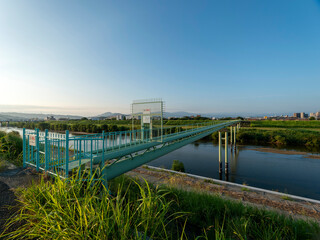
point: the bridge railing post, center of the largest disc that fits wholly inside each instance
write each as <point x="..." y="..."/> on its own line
<point x="46" y="152"/>
<point x="226" y="153"/>
<point x="67" y="154"/>
<point x="24" y="147"/>
<point x="220" y="162"/>
<point x="37" y="150"/>
<point x="235" y="139"/>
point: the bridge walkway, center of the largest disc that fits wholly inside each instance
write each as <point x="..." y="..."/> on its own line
<point x="114" y="152"/>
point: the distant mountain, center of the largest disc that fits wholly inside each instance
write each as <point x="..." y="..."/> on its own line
<point x="108" y="114"/>
<point x="14" y="116"/>
<point x="166" y="114"/>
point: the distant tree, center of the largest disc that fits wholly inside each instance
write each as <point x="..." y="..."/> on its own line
<point x="43" y="125"/>
<point x="114" y="128"/>
<point x="241" y="118"/>
<point x="312" y="118"/>
<point x="94" y="128"/>
<point x="84" y="118"/>
<point x="104" y="127"/>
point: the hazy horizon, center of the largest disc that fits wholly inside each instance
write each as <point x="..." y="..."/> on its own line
<point x="79" y="112"/>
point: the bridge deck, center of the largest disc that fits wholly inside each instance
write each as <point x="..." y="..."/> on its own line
<point x="128" y="149"/>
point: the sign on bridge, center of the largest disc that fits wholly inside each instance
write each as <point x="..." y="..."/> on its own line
<point x="32" y="140"/>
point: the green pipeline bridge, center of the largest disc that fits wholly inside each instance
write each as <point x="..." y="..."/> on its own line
<point x="112" y="153"/>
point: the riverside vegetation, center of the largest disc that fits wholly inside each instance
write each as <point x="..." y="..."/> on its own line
<point x="135" y="210"/>
<point x="10" y="149"/>
<point x="301" y="134"/>
<point x="97" y="126"/>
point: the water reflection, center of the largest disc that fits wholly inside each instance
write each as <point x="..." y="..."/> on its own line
<point x="294" y="174"/>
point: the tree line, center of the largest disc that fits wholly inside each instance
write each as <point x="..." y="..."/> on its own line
<point x="74" y="127"/>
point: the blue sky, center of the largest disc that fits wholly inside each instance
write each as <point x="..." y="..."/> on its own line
<point x="230" y="56"/>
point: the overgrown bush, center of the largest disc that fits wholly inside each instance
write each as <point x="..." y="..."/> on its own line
<point x="11" y="147"/>
<point x="178" y="166"/>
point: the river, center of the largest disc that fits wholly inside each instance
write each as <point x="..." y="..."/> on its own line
<point x="289" y="173"/>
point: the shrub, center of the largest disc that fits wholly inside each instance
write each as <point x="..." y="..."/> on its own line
<point x="178" y="166"/>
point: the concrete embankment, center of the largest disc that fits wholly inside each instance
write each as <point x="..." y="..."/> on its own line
<point x="295" y="206"/>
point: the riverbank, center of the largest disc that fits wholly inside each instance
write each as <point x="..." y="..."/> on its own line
<point x="205" y="208"/>
<point x="286" y="152"/>
<point x="298" y="209"/>
<point x="308" y="139"/>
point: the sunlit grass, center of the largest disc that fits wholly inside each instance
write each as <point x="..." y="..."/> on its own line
<point x="135" y="210"/>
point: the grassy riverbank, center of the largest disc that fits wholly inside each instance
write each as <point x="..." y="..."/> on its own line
<point x="285" y="124"/>
<point x="293" y="134"/>
<point x="76" y="210"/>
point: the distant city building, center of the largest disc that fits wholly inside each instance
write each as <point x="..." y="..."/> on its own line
<point x="120" y="117"/>
<point x="63" y="119"/>
<point x="213" y="118"/>
<point x="297" y="115"/>
<point x="49" y="118"/>
<point x="303" y="115"/>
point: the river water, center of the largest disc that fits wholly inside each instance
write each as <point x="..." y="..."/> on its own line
<point x="292" y="174"/>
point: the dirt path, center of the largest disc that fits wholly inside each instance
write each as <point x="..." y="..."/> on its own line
<point x="9" y="180"/>
<point x="295" y="208"/>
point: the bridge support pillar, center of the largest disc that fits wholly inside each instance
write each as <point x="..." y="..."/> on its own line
<point x="235" y="139"/>
<point x="220" y="162"/>
<point x="231" y="136"/>
<point x="226" y="154"/>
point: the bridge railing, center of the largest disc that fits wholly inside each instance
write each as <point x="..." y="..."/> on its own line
<point x="61" y="153"/>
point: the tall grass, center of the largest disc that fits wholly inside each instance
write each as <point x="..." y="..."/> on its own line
<point x="226" y="219"/>
<point x="85" y="210"/>
<point x="11" y="147"/>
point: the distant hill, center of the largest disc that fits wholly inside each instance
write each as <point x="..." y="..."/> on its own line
<point x="108" y="114"/>
<point x="15" y="116"/>
<point x="166" y="114"/>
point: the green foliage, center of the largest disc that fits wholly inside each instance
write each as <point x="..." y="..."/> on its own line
<point x="85" y="210"/>
<point x="289" y="137"/>
<point x="285" y="124"/>
<point x="11" y="147"/>
<point x="226" y="219"/>
<point x="87" y="126"/>
<point x="178" y="166"/>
